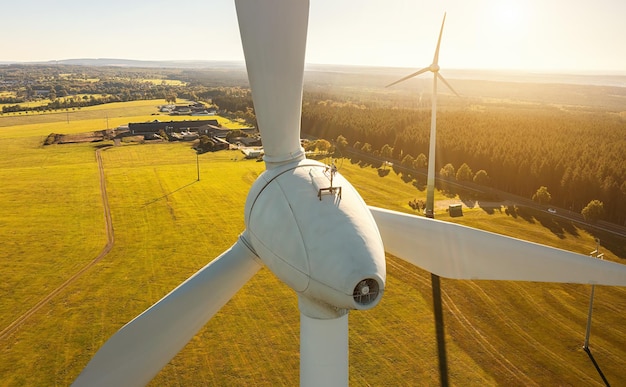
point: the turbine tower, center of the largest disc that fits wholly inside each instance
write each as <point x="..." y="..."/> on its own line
<point x="318" y="237"/>
<point x="429" y="211"/>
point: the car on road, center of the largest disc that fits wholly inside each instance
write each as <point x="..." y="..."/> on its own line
<point x="552" y="210"/>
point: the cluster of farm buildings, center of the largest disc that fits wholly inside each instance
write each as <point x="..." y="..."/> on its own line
<point x="190" y="130"/>
<point x="192" y="109"/>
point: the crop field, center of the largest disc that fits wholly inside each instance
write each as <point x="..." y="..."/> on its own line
<point x="168" y="224"/>
<point x="159" y="81"/>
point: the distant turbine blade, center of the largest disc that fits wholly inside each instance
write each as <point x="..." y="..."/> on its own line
<point x="454" y="251"/>
<point x="275" y="70"/>
<point x="415" y="74"/>
<point x="136" y="353"/>
<point x="436" y="58"/>
<point x="442" y="79"/>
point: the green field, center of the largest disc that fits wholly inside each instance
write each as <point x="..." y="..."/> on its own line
<point x="167" y="225"/>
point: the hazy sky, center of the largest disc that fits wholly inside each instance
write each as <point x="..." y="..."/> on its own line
<point x="553" y="35"/>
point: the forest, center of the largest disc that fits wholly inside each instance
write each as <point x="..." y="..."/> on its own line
<point x="578" y="155"/>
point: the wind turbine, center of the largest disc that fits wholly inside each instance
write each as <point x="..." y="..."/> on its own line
<point x="434" y="68"/>
<point x="430" y="201"/>
<point x="325" y="243"/>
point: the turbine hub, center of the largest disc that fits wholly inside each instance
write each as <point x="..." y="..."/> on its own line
<point x="434" y="67"/>
<point x="321" y="242"/>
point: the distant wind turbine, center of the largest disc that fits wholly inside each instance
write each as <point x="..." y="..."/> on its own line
<point x="430" y="202"/>
<point x="434" y="68"/>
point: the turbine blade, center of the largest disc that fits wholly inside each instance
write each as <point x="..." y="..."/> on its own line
<point x="409" y="76"/>
<point x="274" y="47"/>
<point x="454" y="251"/>
<point x="436" y="58"/>
<point x="447" y="84"/>
<point x="136" y="353"/>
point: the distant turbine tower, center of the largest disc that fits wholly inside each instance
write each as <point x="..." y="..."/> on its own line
<point x="430" y="204"/>
<point x="434" y="68"/>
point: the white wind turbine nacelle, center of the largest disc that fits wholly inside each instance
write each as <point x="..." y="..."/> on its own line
<point x="326" y="248"/>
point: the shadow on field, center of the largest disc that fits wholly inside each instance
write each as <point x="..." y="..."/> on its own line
<point x="420" y="183"/>
<point x="526" y="214"/>
<point x="168" y="194"/>
<point x="383" y="172"/>
<point x="556" y="226"/>
<point x="102" y="146"/>
<point x="593" y="360"/>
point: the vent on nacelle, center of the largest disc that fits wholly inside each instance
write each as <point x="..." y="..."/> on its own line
<point x="366" y="291"/>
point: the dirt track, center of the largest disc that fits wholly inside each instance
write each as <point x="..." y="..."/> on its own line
<point x="105" y="250"/>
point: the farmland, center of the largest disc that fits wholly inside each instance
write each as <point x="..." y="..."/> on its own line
<point x="167" y="225"/>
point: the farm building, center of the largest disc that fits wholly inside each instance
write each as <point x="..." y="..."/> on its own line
<point x="170" y="126"/>
<point x="455" y="210"/>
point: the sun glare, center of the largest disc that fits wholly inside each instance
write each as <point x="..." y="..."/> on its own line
<point x="508" y="16"/>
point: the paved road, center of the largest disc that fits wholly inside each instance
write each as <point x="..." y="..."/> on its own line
<point x="105" y="250"/>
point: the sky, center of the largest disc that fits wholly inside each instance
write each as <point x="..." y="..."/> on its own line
<point x="574" y="36"/>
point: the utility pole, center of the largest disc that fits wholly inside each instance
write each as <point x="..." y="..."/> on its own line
<point x="198" y="165"/>
<point x="593" y="254"/>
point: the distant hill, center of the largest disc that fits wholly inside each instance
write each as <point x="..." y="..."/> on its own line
<point x="139" y="63"/>
<point x="596" y="78"/>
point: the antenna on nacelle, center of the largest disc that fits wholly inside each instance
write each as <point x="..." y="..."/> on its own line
<point x="322" y="180"/>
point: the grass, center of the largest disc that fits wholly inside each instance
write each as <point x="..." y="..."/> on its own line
<point x="159" y="81"/>
<point x="168" y="225"/>
<point x="42" y="216"/>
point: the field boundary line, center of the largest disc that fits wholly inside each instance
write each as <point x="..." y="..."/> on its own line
<point x="105" y="250"/>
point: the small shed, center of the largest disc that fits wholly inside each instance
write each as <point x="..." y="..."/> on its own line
<point x="455" y="210"/>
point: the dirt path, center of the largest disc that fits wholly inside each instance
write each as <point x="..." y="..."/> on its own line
<point x="105" y="250"/>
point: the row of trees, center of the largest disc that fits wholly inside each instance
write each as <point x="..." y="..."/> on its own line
<point x="65" y="103"/>
<point x="593" y="211"/>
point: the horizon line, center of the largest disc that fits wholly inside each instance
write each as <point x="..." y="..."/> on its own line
<point x="241" y="62"/>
